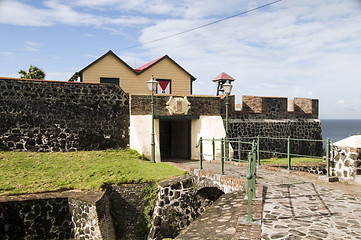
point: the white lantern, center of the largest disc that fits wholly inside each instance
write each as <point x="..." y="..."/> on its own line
<point x="152" y="84"/>
<point x="227" y="88"/>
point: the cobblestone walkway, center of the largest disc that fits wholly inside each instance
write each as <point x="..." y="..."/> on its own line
<point x="296" y="206"/>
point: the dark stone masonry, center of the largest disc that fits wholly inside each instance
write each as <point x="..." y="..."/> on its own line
<point x="179" y="203"/>
<point x="200" y="105"/>
<point x="128" y="210"/>
<point x="49" y="116"/>
<point x="295" y="128"/>
<point x="36" y="219"/>
<point x="276" y="117"/>
<point x="66" y="215"/>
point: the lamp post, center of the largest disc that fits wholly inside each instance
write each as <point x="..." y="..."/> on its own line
<point x="152" y="86"/>
<point x="227" y="88"/>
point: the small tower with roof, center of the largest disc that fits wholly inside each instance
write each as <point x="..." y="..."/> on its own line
<point x="222" y="79"/>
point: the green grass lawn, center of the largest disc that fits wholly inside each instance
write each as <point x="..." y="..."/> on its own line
<point x="33" y="172"/>
<point x="294" y="161"/>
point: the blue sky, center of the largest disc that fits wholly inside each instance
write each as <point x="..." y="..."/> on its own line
<point x="292" y="48"/>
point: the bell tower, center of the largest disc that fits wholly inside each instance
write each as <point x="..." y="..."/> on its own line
<point x="220" y="80"/>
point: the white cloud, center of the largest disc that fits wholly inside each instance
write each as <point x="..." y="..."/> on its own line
<point x="354" y="103"/>
<point x="16" y="13"/>
<point x="54" y="12"/>
<point x="35" y="44"/>
<point x="7" y="53"/>
<point x="139" y="6"/>
<point x="203" y="9"/>
<point x="32" y="46"/>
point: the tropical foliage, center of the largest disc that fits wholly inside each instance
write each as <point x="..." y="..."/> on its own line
<point x="33" y="73"/>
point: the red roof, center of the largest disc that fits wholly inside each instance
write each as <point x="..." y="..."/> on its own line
<point x="145" y="66"/>
<point x="223" y="76"/>
<point x="152" y="63"/>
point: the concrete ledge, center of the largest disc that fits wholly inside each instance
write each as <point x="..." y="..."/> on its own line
<point x="328" y="179"/>
<point x="286" y="170"/>
<point x="243" y="221"/>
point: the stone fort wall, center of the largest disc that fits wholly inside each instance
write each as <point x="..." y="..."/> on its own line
<point x="61" y="116"/>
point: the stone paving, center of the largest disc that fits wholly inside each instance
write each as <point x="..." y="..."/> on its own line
<point x="295" y="206"/>
<point x="219" y="221"/>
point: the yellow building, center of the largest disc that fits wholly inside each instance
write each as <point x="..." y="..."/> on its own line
<point x="109" y="68"/>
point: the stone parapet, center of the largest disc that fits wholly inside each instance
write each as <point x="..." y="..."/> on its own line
<point x="199" y="105"/>
<point x="258" y="107"/>
<point x="225" y="183"/>
<point x="252" y="107"/>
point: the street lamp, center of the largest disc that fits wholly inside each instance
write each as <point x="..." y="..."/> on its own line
<point x="227" y="88"/>
<point x="152" y="86"/>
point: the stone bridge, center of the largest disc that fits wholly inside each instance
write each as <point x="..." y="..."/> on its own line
<point x="181" y="200"/>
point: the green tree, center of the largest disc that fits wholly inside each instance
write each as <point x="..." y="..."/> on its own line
<point x="33" y="73"/>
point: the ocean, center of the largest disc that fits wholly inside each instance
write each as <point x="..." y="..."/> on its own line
<point x="338" y="129"/>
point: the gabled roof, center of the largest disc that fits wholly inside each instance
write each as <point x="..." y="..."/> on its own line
<point x="137" y="71"/>
<point x="145" y="67"/>
<point x="110" y="52"/>
<point x="223" y="76"/>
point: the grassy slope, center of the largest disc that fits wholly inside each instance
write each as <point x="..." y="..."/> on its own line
<point x="294" y="161"/>
<point x="29" y="172"/>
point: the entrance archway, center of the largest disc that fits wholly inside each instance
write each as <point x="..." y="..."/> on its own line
<point x="175" y="138"/>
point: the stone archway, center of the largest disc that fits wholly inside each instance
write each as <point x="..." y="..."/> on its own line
<point x="210" y="193"/>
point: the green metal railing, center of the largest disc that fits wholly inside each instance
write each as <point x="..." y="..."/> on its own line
<point x="252" y="162"/>
<point x="251" y="184"/>
<point x="289" y="154"/>
<point x="224" y="154"/>
<point x="213" y="155"/>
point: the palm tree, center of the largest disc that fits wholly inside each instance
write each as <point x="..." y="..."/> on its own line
<point x="34" y="73"/>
